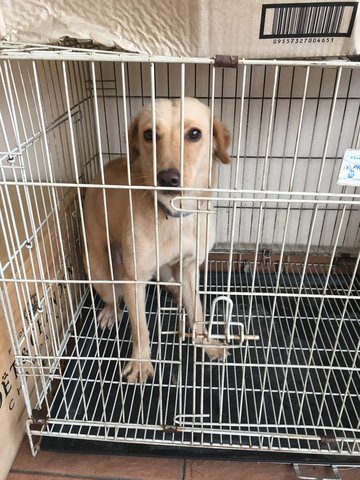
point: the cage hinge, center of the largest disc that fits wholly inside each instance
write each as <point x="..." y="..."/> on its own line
<point x="170" y="429"/>
<point x="266" y="257"/>
<point x="38" y="417"/>
<point x="226" y="61"/>
<point x="305" y="476"/>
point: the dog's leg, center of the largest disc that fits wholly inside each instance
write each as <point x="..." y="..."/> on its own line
<point x="140" y="366"/>
<point x="167" y="276"/>
<point x="191" y="299"/>
<point x="100" y="270"/>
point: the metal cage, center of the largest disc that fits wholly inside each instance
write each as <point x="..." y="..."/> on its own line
<point x="280" y="286"/>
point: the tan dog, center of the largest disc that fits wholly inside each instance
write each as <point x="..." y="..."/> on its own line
<point x="142" y="242"/>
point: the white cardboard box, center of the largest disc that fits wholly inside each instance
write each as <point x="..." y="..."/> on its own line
<point x="247" y="28"/>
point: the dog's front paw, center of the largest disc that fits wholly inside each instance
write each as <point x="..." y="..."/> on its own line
<point x="139" y="370"/>
<point x="215" y="349"/>
<point x="107" y="317"/>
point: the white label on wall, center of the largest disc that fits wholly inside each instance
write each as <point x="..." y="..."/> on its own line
<point x="350" y="169"/>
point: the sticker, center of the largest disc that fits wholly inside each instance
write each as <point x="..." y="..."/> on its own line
<point x="350" y="169"/>
<point x="303" y="20"/>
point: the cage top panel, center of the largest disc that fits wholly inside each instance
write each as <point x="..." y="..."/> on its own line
<point x="26" y="51"/>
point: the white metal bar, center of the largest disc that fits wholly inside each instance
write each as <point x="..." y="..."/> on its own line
<point x="156" y="227"/>
<point x="181" y="239"/>
<point x="44" y="52"/>
<point x="194" y="189"/>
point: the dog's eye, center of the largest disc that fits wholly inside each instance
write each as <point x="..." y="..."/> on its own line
<point x="148" y="136"/>
<point x="193" y="134"/>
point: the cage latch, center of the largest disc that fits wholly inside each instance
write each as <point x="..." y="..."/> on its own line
<point x="266" y="257"/>
<point x="226" y="322"/>
<point x="170" y="429"/>
<point x="38" y="416"/>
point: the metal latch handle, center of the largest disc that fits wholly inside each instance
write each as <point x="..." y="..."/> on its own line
<point x="227" y="321"/>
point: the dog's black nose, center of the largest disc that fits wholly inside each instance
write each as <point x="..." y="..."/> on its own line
<point x="169" y="178"/>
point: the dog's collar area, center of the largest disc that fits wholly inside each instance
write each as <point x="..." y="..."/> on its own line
<point x="175" y="214"/>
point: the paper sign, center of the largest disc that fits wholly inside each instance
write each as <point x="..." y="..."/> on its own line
<point x="350" y="169"/>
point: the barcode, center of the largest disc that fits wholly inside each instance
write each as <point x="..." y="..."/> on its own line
<point x="323" y="19"/>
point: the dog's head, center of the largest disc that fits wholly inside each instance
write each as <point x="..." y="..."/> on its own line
<point x="197" y="162"/>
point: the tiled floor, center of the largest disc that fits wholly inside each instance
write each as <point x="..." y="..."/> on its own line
<point x="66" y="466"/>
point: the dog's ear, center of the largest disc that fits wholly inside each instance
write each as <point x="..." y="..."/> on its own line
<point x="134" y="147"/>
<point x="221" y="141"/>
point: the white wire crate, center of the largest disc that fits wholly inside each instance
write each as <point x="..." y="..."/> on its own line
<point x="281" y="282"/>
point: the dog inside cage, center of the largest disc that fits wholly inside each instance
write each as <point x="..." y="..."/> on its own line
<point x="138" y="235"/>
<point x="186" y="260"/>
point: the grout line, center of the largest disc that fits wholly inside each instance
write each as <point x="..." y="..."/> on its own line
<point x="183" y="470"/>
<point x="69" y="475"/>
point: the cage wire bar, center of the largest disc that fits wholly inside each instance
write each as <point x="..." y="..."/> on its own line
<point x="280" y="286"/>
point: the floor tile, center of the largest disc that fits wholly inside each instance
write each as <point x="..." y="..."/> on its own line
<point x="220" y="470"/>
<point x="345" y="473"/>
<point x="350" y="473"/>
<point x="35" y="476"/>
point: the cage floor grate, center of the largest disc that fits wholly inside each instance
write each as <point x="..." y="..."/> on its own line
<point x="294" y="390"/>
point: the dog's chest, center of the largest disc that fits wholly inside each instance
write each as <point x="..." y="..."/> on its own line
<point x="189" y="237"/>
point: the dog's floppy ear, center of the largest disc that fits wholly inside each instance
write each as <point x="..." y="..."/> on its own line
<point x="134" y="146"/>
<point x="221" y="141"/>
